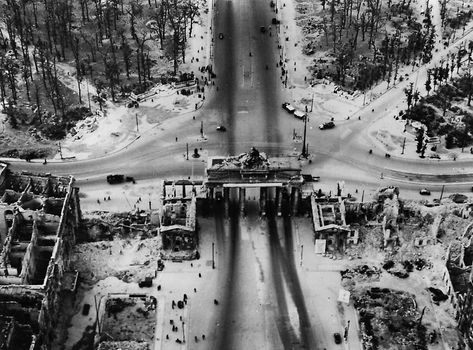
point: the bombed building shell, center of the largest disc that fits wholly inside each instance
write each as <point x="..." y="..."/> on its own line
<point x="39" y="218"/>
<point x="178" y="220"/>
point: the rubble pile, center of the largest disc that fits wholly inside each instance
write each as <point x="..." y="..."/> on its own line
<point x="123" y="345"/>
<point x="129" y="260"/>
<point x="389" y="318"/>
<point x="402" y="269"/>
<point x="107" y="226"/>
<point x="130" y="319"/>
<point x="361" y="273"/>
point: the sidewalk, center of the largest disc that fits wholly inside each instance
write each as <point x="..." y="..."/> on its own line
<point x="321" y="281"/>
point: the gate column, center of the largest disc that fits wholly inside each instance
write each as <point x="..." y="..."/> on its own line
<point x="262" y="200"/>
<point x="242" y="200"/>
<point x="279" y="194"/>
<point x="211" y="193"/>
<point x="295" y="193"/>
<point x="226" y="200"/>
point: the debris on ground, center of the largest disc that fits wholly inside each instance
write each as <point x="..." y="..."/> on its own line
<point x="389" y="318"/>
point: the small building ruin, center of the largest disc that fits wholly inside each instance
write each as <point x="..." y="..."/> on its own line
<point x="39" y="217"/>
<point x="178" y="220"/>
<point x="328" y="218"/>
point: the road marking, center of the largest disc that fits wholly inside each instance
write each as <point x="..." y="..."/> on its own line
<point x="345" y="133"/>
<point x="242" y="111"/>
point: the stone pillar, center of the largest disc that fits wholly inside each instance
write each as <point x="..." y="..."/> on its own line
<point x="279" y="194"/>
<point x="295" y="193"/>
<point x="210" y="193"/>
<point x="226" y="200"/>
<point x="242" y="200"/>
<point x="262" y="200"/>
<point x="183" y="191"/>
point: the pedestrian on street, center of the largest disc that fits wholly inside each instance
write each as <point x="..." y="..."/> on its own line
<point x="203" y="336"/>
<point x="195" y="290"/>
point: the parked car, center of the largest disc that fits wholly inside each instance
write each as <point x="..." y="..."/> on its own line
<point x="275" y="21"/>
<point x="288" y="107"/>
<point x="337" y="338"/>
<point x="424" y="192"/>
<point x="327" y="125"/>
<point x="221" y="128"/>
<point x="299" y="114"/>
<point x="220" y="35"/>
<point x="262" y="29"/>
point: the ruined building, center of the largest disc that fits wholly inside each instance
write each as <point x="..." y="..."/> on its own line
<point x="178" y="220"/>
<point x="39" y="216"/>
<point x="459" y="281"/>
<point x="330" y="227"/>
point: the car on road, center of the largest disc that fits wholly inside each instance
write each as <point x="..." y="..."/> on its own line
<point x="119" y="178"/>
<point x="220" y="35"/>
<point x="424" y="192"/>
<point x="299" y="114"/>
<point x="288" y="107"/>
<point x="337" y="338"/>
<point x="327" y="125"/>
<point x="221" y="128"/>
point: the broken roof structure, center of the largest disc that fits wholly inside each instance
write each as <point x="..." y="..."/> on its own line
<point x="39" y="216"/>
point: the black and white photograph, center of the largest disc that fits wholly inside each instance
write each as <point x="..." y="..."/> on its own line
<point x="236" y="175"/>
